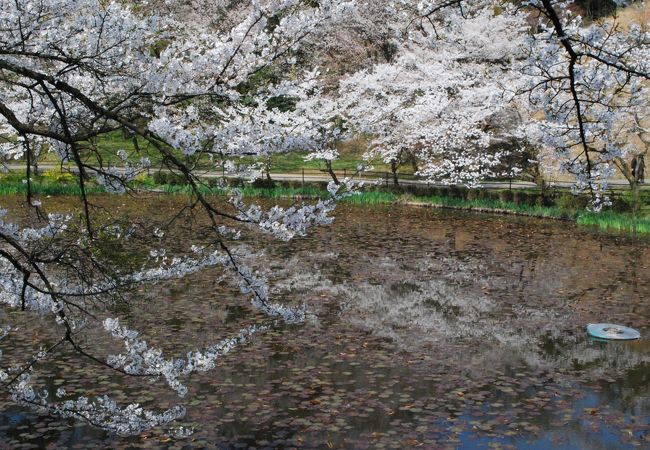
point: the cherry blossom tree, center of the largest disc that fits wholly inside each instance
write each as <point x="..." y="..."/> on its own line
<point x="71" y="71"/>
<point x="431" y="106"/>
<point x="584" y="77"/>
<point x="631" y="141"/>
<point x="580" y="75"/>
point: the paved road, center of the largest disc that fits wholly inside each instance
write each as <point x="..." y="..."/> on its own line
<point x="386" y="178"/>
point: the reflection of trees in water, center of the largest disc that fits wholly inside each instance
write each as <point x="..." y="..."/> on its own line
<point x="510" y="294"/>
<point x="453" y="310"/>
<point x="503" y="297"/>
<point x="453" y="319"/>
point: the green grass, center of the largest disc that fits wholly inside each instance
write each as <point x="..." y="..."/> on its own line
<point x="54" y="183"/>
<point x="13" y="183"/>
<point x="616" y="221"/>
<point x="350" y="156"/>
<point x="42" y="189"/>
<point x="373" y="198"/>
<point x="249" y="191"/>
<point x="605" y="220"/>
<point x="364" y="198"/>
<point x="370" y="198"/>
<point x="108" y="144"/>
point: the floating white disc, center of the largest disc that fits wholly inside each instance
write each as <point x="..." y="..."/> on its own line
<point x="612" y="332"/>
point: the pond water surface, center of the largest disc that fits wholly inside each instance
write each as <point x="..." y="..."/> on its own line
<point x="426" y="329"/>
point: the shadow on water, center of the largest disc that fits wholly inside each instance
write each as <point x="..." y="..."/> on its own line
<point x="426" y="329"/>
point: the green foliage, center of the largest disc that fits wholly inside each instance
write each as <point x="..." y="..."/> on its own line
<point x="263" y="77"/>
<point x="48" y="184"/>
<point x="144" y="181"/>
<point x="616" y="221"/>
<point x="526" y="202"/>
<point x="569" y="202"/>
<point x="168" y="178"/>
<point x="372" y="198"/>
<point x="263" y="183"/>
<point x="627" y="199"/>
<point x="159" y="47"/>
<point x="282" y="102"/>
<point x="56" y="176"/>
<point x="250" y="191"/>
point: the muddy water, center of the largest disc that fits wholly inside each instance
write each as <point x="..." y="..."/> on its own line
<point x="426" y="329"/>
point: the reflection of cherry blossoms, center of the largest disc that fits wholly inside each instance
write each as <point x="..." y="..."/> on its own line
<point x="70" y="72"/>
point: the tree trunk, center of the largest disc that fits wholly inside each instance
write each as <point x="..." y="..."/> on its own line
<point x="393" y="169"/>
<point x="541" y="182"/>
<point x="328" y="164"/>
<point x="35" y="166"/>
<point x="414" y="165"/>
<point x="267" y="169"/>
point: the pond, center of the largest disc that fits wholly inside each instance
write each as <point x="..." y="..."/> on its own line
<point x="426" y="329"/>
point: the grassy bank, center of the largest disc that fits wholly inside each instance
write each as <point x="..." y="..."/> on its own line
<point x="607" y="220"/>
<point x="248" y="191"/>
<point x="616" y="221"/>
<point x="107" y="146"/>
<point x="64" y="184"/>
<point x="54" y="183"/>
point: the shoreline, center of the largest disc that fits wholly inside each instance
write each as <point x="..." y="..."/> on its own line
<point x="486" y="201"/>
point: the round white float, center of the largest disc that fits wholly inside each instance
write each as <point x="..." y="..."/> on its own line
<point x="612" y="331"/>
